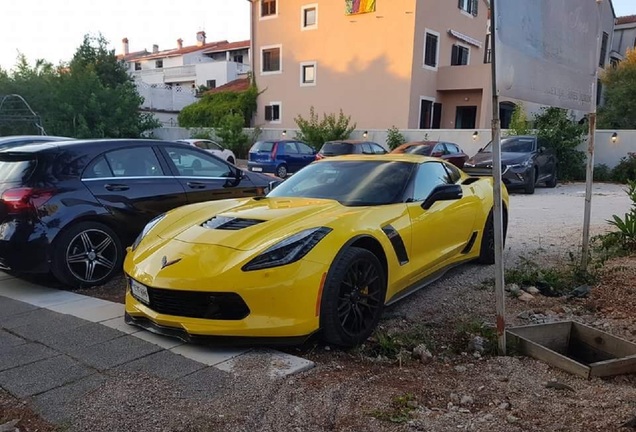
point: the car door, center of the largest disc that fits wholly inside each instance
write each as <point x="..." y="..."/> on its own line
<point x="133" y="185"/>
<point x="441" y="232"/>
<point x="454" y="155"/>
<point x="294" y="158"/>
<point x="308" y="155"/>
<point x="439" y="150"/>
<point x="545" y="159"/>
<point x="206" y="177"/>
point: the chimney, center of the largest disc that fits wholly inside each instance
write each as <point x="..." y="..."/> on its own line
<point x="124" y="43"/>
<point x="200" y="38"/>
<point x="179" y="43"/>
<point x="155" y="48"/>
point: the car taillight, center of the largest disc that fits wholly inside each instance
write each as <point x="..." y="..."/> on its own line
<point x="319" y="156"/>
<point x="274" y="151"/>
<point x="18" y="200"/>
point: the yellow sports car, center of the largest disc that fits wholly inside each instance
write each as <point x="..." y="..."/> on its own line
<point x="324" y="251"/>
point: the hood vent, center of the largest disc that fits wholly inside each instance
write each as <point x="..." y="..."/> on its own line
<point x="230" y="223"/>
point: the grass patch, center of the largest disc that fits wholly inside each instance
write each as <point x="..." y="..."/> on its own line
<point x="400" y="411"/>
<point x="393" y="344"/>
<point x="467" y="330"/>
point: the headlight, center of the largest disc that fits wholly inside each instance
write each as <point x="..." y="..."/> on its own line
<point x="149" y="226"/>
<point x="289" y="250"/>
<point x="469" y="165"/>
<point x="523" y="164"/>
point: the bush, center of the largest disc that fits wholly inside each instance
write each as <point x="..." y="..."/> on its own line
<point x="210" y="110"/>
<point x="518" y="122"/>
<point x="315" y="132"/>
<point x="230" y="132"/>
<point x="602" y="173"/>
<point x="626" y="234"/>
<point x="564" y="135"/>
<point x="394" y="137"/>
<point x="625" y="171"/>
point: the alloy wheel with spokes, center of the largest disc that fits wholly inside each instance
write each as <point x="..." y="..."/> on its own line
<point x="353" y="297"/>
<point x="87" y="254"/>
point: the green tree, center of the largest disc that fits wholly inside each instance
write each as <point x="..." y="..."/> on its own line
<point x="230" y="132"/>
<point x="619" y="110"/>
<point x="394" y="137"/>
<point x="315" y="131"/>
<point x="564" y="135"/>
<point x="519" y="121"/>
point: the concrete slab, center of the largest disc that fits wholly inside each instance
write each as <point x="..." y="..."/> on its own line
<point x="24" y="354"/>
<point x="21" y="290"/>
<point x="5" y="275"/>
<point x="51" y="298"/>
<point x="42" y="375"/>
<point x="119" y="324"/>
<point x="100" y="313"/>
<point x="208" y="355"/>
<point x="10" y="307"/>
<point x="8" y="340"/>
<point x="267" y="361"/>
<point x="39" y="324"/>
<point x="70" y="341"/>
<point x="163" y="364"/>
<point x="84" y="303"/>
<point x="56" y="405"/>
<point x="164" y="342"/>
<point x="115" y="352"/>
<point x="205" y="383"/>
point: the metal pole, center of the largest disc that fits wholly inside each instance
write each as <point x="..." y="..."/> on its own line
<point x="500" y="295"/>
<point x="589" y="174"/>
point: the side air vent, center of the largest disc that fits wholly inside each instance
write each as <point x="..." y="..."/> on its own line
<point x="229" y="223"/>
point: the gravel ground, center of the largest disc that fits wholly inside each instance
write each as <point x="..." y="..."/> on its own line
<point x="353" y="391"/>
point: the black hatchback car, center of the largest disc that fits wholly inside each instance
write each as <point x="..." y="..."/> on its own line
<point x="71" y="207"/>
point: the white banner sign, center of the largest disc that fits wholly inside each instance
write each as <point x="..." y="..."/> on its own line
<point x="547" y="51"/>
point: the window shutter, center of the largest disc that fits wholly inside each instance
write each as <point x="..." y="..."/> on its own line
<point x="275" y="112"/>
<point x="454" y="55"/>
<point x="268" y="113"/>
<point x="473" y="9"/>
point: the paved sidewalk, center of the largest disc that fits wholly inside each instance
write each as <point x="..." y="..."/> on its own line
<point x="55" y="346"/>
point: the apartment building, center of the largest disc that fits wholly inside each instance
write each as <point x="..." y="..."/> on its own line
<point x="170" y="79"/>
<point x="624" y="37"/>
<point x="416" y="64"/>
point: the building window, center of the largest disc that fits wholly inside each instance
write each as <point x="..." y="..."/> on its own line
<point x="465" y="117"/>
<point x="210" y="84"/>
<point x="487" y="50"/>
<point x="431" y="42"/>
<point x="426" y="113"/>
<point x="268" y="8"/>
<point x="137" y="66"/>
<point x="308" y="74"/>
<point x="271" y="59"/>
<point x="601" y="61"/>
<point x="158" y="64"/>
<point x="238" y="58"/>
<point x="309" y="17"/>
<point x="272" y="112"/>
<point x="469" y="6"/>
<point x="599" y="92"/>
<point x="459" y="55"/>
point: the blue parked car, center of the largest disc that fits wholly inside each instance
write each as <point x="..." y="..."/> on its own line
<point x="279" y="157"/>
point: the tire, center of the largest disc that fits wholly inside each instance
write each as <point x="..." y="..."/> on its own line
<point x="531" y="183"/>
<point x="553" y="180"/>
<point x="87" y="254"/>
<point x="231" y="160"/>
<point x="281" y="171"/>
<point x="349" y="311"/>
<point x="487" y="246"/>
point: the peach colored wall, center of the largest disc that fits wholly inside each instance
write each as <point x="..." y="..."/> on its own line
<point x="440" y="16"/>
<point x="364" y="62"/>
<point x="452" y="99"/>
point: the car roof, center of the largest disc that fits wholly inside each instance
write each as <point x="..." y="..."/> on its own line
<point x="349" y="142"/>
<point x="390" y="157"/>
<point x="41" y="138"/>
<point x="93" y="144"/>
<point x="193" y="140"/>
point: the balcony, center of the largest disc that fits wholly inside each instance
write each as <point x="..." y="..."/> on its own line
<point x="188" y="71"/>
<point x="470" y="77"/>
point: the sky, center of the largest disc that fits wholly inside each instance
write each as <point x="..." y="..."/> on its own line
<point x="53" y="29"/>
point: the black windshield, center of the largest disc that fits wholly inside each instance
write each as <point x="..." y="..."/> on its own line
<point x="514" y="145"/>
<point x="336" y="148"/>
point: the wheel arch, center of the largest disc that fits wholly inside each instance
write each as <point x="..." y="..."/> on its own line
<point x="371" y="244"/>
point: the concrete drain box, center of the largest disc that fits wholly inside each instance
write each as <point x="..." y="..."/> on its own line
<point x="575" y="348"/>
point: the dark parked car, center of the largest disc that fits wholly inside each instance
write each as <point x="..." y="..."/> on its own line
<point x="71" y="207"/>
<point x="344" y="147"/>
<point x="279" y="157"/>
<point x="18" y="140"/>
<point x="526" y="160"/>
<point x="448" y="151"/>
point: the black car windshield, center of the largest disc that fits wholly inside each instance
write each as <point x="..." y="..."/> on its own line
<point x="424" y="150"/>
<point x="513" y="145"/>
<point x="352" y="183"/>
<point x="336" y="148"/>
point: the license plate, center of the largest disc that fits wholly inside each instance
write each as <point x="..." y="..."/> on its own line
<point x="257" y="169"/>
<point x="139" y="291"/>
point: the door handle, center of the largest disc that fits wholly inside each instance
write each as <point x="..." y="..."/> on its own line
<point x="116" y="187"/>
<point x="196" y="185"/>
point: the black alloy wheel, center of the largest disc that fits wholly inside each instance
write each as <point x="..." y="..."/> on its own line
<point x="487" y="247"/>
<point x="281" y="171"/>
<point x="531" y="182"/>
<point x="88" y="254"/>
<point x="353" y="298"/>
<point x="553" y="179"/>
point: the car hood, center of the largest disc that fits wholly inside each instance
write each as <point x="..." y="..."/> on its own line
<point x="251" y="223"/>
<point x="484" y="159"/>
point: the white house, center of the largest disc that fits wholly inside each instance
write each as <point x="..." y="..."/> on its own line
<point x="169" y="80"/>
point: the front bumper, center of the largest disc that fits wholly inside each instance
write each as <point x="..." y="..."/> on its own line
<point x="282" y="302"/>
<point x="511" y="177"/>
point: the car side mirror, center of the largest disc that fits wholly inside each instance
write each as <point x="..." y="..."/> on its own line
<point x="480" y="150"/>
<point x="436" y="154"/>
<point x="445" y="192"/>
<point x="273" y="185"/>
